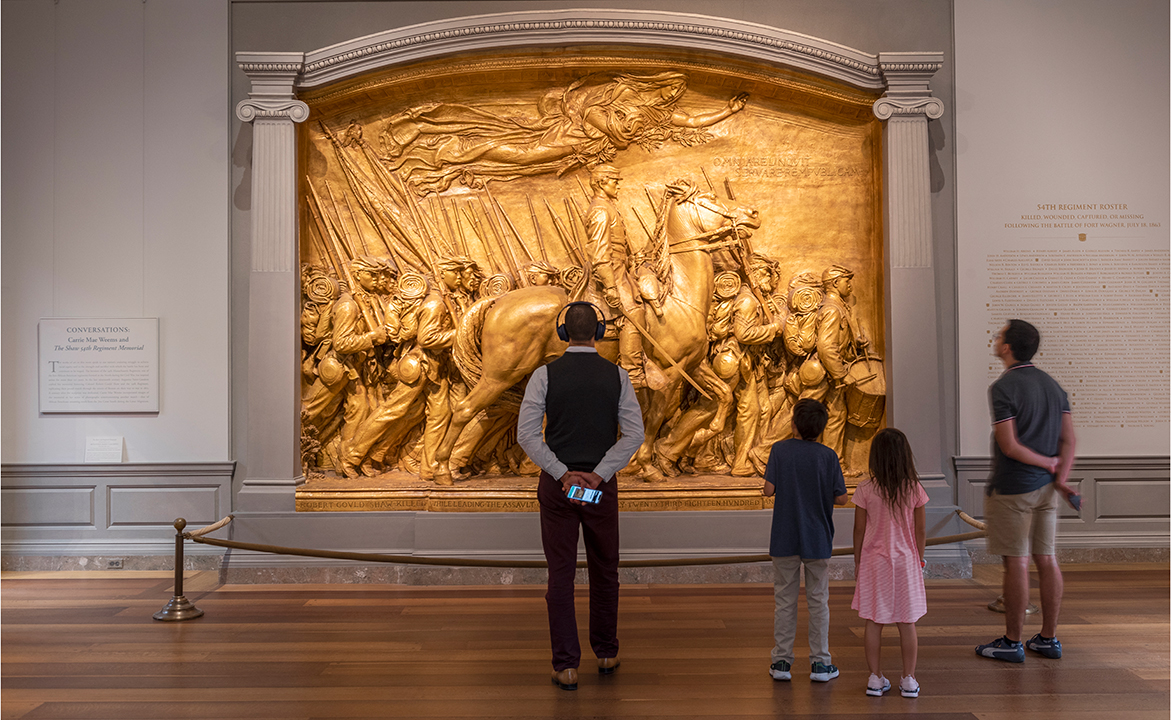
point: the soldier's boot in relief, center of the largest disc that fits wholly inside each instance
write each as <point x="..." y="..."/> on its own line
<point x="368" y="468"/>
<point x="743" y="470"/>
<point x="348" y="468"/>
<point x="630" y="355"/>
<point x="663" y="459"/>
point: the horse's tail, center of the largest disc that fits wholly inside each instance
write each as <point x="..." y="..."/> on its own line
<point x="466" y="349"/>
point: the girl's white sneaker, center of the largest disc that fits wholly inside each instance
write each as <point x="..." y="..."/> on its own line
<point x="909" y="687"/>
<point x="877" y="685"/>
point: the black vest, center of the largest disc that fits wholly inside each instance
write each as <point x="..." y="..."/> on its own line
<point x="581" y="409"/>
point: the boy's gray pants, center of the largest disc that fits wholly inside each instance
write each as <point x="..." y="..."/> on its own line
<point x="786" y="585"/>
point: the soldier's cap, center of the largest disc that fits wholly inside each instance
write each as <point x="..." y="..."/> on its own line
<point x="601" y="172"/>
<point x="456" y="262"/>
<point x="805" y="278"/>
<point x="833" y="272"/>
<point x="369" y="263"/>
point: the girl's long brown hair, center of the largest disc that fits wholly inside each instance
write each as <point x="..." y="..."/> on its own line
<point x="892" y="465"/>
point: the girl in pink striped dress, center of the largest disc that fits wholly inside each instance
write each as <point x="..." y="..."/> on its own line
<point x="889" y="543"/>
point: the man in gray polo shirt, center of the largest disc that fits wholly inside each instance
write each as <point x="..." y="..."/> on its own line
<point x="1033" y="452"/>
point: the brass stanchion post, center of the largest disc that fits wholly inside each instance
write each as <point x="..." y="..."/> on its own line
<point x="180" y="608"/>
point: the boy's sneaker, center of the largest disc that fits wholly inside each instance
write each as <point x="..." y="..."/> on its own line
<point x="1003" y="649"/>
<point x="780" y="671"/>
<point x="876" y="686"/>
<point x="820" y="672"/>
<point x="909" y="687"/>
<point x="1049" y="647"/>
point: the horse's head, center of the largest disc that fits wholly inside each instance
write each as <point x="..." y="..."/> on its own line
<point x="699" y="215"/>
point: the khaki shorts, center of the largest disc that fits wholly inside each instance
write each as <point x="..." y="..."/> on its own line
<point x="1022" y="525"/>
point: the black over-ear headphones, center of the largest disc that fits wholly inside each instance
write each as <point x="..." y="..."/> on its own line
<point x="599" y="331"/>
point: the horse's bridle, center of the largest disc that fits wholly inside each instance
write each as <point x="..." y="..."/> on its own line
<point x="701" y="241"/>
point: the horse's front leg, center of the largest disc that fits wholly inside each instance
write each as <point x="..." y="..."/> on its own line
<point x="653" y="417"/>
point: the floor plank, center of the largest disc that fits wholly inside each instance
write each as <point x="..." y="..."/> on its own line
<point x="83" y="645"/>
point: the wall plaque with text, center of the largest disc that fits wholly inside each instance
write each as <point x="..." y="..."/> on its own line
<point x="90" y="365"/>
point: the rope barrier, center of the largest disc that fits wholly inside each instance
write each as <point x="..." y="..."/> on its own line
<point x="208" y="529"/>
<point x="971" y="521"/>
<point x="197" y="536"/>
<point x="180" y="608"/>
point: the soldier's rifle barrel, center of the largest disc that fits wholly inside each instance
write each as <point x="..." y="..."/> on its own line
<point x="537" y="230"/>
<point x="649" y="235"/>
<point x="479" y="230"/>
<point x="509" y="257"/>
<point x="372" y="205"/>
<point x="571" y="211"/>
<point x="438" y="210"/>
<point x="571" y="247"/>
<point x="507" y="219"/>
<point x="562" y="233"/>
<point x="457" y="232"/>
<point x="342" y="268"/>
<point x="342" y="222"/>
<point x="708" y="180"/>
<point x="745" y="257"/>
<point x="584" y="192"/>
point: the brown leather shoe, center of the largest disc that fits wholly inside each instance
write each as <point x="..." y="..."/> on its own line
<point x="565" y="679"/>
<point x="607" y="666"/>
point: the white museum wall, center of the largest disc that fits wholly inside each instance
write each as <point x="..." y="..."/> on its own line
<point x="1068" y="105"/>
<point x="1092" y="81"/>
<point x="115" y="205"/>
<point x="115" y="192"/>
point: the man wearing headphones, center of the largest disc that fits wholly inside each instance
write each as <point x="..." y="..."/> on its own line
<point x="593" y="427"/>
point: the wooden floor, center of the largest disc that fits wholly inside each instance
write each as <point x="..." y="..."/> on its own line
<point x="85" y="646"/>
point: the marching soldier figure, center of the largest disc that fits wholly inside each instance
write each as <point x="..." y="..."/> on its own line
<point x="839" y="340"/>
<point x="354" y="342"/>
<point x="752" y="330"/>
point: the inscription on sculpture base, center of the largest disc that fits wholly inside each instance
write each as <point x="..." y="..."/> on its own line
<point x="519" y="494"/>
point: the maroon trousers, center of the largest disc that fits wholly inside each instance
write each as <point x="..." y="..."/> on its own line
<point x="599" y="523"/>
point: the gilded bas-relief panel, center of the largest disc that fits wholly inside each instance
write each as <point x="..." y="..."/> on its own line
<point x="724" y="217"/>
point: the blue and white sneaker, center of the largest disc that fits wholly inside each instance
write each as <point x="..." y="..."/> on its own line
<point x="1049" y="647"/>
<point x="1003" y="649"/>
<point x="820" y="672"/>
<point x="876" y="686"/>
<point x="780" y="671"/>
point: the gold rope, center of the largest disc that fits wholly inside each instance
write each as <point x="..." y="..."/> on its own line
<point x="196" y="536"/>
<point x="971" y="521"/>
<point x="207" y="529"/>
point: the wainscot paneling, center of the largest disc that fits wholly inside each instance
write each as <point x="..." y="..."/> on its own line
<point x="114" y="509"/>
<point x="1125" y="501"/>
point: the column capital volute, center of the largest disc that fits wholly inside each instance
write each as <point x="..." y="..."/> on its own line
<point x="908" y="90"/>
<point x="273" y="76"/>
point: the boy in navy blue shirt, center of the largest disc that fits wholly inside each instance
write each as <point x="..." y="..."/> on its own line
<point x="807" y="480"/>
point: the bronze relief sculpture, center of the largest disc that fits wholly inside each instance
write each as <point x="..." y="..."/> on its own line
<point x="437" y="254"/>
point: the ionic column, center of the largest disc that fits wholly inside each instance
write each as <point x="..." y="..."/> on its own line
<point x="272" y="466"/>
<point x="914" y="379"/>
